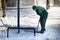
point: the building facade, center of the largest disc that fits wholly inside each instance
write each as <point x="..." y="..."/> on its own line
<point x="29" y="3"/>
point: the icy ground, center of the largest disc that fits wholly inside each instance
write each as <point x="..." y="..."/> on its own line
<point x="29" y="18"/>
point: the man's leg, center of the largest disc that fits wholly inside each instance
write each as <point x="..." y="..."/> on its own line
<point x="42" y="21"/>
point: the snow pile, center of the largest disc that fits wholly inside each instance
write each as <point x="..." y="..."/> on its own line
<point x="54" y="12"/>
<point x="12" y="21"/>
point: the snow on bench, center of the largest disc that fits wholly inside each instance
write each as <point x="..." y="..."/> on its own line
<point x="28" y="22"/>
<point x="24" y="21"/>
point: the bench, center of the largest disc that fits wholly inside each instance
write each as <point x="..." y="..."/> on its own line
<point x="33" y="28"/>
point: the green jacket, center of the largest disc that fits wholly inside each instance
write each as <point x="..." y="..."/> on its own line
<point x="42" y="12"/>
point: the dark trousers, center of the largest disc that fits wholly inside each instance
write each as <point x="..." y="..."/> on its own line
<point x="43" y="22"/>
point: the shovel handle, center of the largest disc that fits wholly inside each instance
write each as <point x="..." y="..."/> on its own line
<point x="37" y="25"/>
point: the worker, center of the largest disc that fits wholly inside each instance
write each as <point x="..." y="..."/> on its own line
<point x="42" y="12"/>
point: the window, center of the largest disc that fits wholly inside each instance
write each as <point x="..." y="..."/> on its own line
<point x="11" y="3"/>
<point x="56" y="2"/>
<point x="25" y="3"/>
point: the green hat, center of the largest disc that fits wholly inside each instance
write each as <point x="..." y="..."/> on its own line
<point x="34" y="7"/>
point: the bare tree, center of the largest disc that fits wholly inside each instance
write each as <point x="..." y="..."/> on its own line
<point x="3" y="2"/>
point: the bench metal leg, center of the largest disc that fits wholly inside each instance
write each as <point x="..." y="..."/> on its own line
<point x="34" y="33"/>
<point x="19" y="31"/>
<point x="7" y="33"/>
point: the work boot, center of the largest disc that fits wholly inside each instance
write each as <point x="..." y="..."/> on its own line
<point x="42" y="31"/>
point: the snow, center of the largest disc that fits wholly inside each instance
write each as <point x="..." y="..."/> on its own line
<point x="54" y="12"/>
<point x="31" y="19"/>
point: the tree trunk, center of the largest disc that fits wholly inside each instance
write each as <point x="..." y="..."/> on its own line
<point x="3" y="2"/>
<point x="48" y="4"/>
